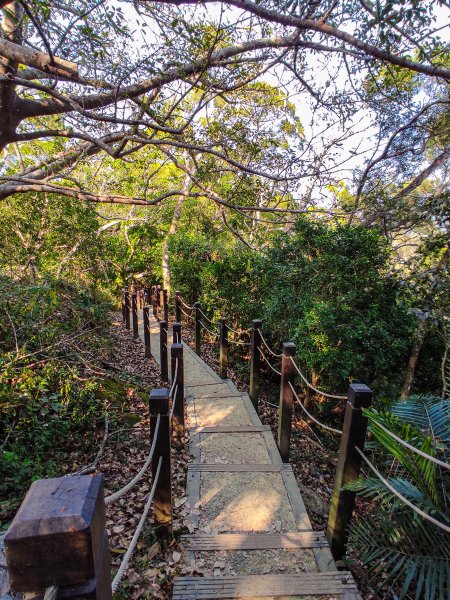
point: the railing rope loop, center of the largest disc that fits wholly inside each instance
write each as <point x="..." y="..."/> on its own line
<point x="337" y="431"/>
<point x="268" y="363"/>
<point x="268" y="347"/>
<point x="129" y="553"/>
<point x="310" y="385"/>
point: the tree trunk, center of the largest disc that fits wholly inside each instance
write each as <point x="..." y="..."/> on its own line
<point x="172" y="229"/>
<point x="414" y="355"/>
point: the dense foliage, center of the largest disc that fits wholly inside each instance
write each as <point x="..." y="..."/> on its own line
<point x="51" y="334"/>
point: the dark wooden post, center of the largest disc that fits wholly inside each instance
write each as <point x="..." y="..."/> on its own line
<point x="286" y="400"/>
<point x="146" y="324"/>
<point x="163" y="354"/>
<point x="176" y="331"/>
<point x="58" y="538"/>
<point x="124" y="311"/>
<point x="155" y="301"/>
<point x="348" y="467"/>
<point x="158" y="302"/>
<point x="255" y="361"/>
<point x="198" y="329"/>
<point x="127" y="309"/>
<point x="165" y="305"/>
<point x="178" y="395"/>
<point x="134" y="311"/>
<point x="162" y="500"/>
<point x="223" y="353"/>
<point x="178" y="307"/>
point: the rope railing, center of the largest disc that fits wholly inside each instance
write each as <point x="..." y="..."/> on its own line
<point x="268" y="347"/>
<point x="268" y="363"/>
<point x="206" y="317"/>
<point x="174" y="400"/>
<point x="186" y="305"/>
<point x="239" y="342"/>
<point x="186" y="314"/>
<point x="209" y="330"/>
<point x="131" y="548"/>
<point x="311" y="386"/>
<point x="332" y="429"/>
<point x="410" y="447"/>
<point x="402" y="498"/>
<point x="175" y="379"/>
<point x="123" y="491"/>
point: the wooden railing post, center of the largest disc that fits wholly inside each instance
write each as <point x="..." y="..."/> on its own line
<point x="178" y="396"/>
<point x="146" y="324"/>
<point x="223" y="353"/>
<point x="176" y="332"/>
<point x="348" y="467"/>
<point x="163" y="353"/>
<point x="162" y="500"/>
<point x="155" y="301"/>
<point x="123" y="305"/>
<point x="127" y="309"/>
<point x="134" y="311"/>
<point x="198" y="328"/>
<point x="158" y="302"/>
<point x="178" y="307"/>
<point x="165" y="305"/>
<point x="255" y="362"/>
<point x="59" y="538"/>
<point x="286" y="400"/>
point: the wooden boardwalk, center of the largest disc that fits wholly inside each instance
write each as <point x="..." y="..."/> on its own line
<point x="251" y="535"/>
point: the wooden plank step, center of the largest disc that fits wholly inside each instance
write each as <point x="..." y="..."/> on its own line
<point x="232" y="429"/>
<point x="260" y="586"/>
<point x="255" y="541"/>
<point x="243" y="468"/>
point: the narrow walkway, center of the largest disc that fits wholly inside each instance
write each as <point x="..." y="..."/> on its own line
<point x="251" y="536"/>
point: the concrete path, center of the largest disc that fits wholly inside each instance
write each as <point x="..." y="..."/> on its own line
<point x="250" y="534"/>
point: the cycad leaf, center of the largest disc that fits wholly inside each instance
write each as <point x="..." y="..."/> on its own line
<point x="428" y="413"/>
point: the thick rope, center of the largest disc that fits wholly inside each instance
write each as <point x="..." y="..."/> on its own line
<point x="399" y="496"/>
<point x="267" y="346"/>
<point x="337" y="431"/>
<point x="51" y="593"/>
<point x="239" y="343"/>
<point x="175" y="377"/>
<point x="174" y="400"/>
<point x="207" y="318"/>
<point x="186" y="314"/>
<point x="129" y="553"/>
<point x="243" y="332"/>
<point x="209" y="330"/>
<point x="120" y="493"/>
<point x="186" y="305"/>
<point x="412" y="448"/>
<point x="264" y="357"/>
<point x="93" y="465"/>
<point x="310" y="385"/>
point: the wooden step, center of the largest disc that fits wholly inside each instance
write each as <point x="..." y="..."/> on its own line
<point x="232" y="429"/>
<point x="255" y="541"/>
<point x="242" y="468"/>
<point x="261" y="586"/>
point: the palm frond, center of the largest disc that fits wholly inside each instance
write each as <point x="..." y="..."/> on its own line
<point x="396" y="546"/>
<point x="430" y="414"/>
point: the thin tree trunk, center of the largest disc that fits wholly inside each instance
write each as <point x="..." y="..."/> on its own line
<point x="414" y="355"/>
<point x="172" y="230"/>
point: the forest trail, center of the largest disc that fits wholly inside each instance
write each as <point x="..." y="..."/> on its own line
<point x="251" y="535"/>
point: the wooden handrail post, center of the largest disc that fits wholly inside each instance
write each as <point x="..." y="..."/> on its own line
<point x="178" y="307"/>
<point x="134" y="312"/>
<point x="162" y="500"/>
<point x="198" y="329"/>
<point x="163" y="353"/>
<point x="158" y="302"/>
<point x="348" y="467"/>
<point x="123" y="305"/>
<point x="165" y="305"/>
<point x="127" y="309"/>
<point x="146" y="324"/>
<point x="255" y="362"/>
<point x="176" y="333"/>
<point x="223" y="353"/>
<point x="286" y="400"/>
<point x="155" y="301"/>
<point x="59" y="538"/>
<point x="178" y="396"/>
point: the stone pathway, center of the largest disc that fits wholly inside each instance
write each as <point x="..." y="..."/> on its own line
<point x="252" y="537"/>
